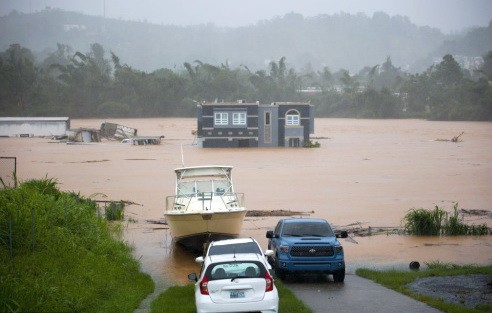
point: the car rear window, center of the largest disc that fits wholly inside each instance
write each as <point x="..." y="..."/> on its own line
<point x="245" y="247"/>
<point x="235" y="269"/>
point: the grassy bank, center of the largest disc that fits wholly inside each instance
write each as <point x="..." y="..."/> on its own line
<point x="398" y="280"/>
<point x="57" y="255"/>
<point x="182" y="299"/>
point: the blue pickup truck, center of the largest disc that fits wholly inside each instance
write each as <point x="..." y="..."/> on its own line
<point x="306" y="245"/>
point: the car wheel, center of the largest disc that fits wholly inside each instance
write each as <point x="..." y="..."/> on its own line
<point x="339" y="276"/>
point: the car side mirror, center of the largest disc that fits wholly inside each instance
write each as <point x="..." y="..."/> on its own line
<point x="199" y="259"/>
<point x="269" y="234"/>
<point x="193" y="277"/>
<point x="269" y="252"/>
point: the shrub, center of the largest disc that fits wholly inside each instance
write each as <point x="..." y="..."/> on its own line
<point x="310" y="144"/>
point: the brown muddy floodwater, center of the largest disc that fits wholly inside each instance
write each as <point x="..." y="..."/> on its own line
<point x="366" y="171"/>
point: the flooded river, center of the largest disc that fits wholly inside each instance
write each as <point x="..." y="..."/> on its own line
<point x="369" y="172"/>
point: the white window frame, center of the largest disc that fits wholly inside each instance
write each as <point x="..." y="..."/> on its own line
<point x="221" y="118"/>
<point x="239" y="118"/>
<point x="292" y="119"/>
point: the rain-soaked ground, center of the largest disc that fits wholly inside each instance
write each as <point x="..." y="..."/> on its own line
<point x="366" y="172"/>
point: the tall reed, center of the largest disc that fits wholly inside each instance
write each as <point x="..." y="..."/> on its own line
<point x="423" y="222"/>
<point x="115" y="211"/>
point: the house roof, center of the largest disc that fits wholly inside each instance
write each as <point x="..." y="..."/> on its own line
<point x="34" y="119"/>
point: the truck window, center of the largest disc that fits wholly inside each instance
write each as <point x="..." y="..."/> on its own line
<point x="308" y="229"/>
<point x="277" y="229"/>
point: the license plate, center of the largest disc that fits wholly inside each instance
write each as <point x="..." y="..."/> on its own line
<point x="236" y="294"/>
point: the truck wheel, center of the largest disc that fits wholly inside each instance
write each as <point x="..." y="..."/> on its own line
<point x="339" y="276"/>
<point x="280" y="273"/>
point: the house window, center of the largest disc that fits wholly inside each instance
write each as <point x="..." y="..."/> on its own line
<point x="239" y="118"/>
<point x="221" y="118"/>
<point x="267" y="118"/>
<point x="292" y="118"/>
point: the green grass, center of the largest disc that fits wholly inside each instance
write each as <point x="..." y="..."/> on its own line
<point x="182" y="299"/>
<point x="288" y="302"/>
<point x="58" y="256"/>
<point x="397" y="280"/>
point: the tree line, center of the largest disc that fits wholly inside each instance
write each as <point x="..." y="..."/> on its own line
<point x="98" y="84"/>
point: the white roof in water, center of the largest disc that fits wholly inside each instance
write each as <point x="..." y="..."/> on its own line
<point x="33" y="119"/>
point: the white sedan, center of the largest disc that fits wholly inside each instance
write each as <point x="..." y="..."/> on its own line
<point x="235" y="283"/>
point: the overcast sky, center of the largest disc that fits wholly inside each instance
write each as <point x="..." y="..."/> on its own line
<point x="447" y="15"/>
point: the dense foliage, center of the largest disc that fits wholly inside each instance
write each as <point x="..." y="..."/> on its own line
<point x="90" y="85"/>
<point x="57" y="255"/>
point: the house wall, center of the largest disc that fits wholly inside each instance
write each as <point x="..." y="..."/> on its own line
<point x="256" y="132"/>
<point x="311" y="119"/>
<point x="267" y="134"/>
<point x="26" y="126"/>
<point x="229" y="135"/>
<point x="285" y="132"/>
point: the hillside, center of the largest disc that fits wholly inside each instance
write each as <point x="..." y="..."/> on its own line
<point x="477" y="41"/>
<point x="337" y="41"/>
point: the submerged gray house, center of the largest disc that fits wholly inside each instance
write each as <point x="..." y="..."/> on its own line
<point x="241" y="124"/>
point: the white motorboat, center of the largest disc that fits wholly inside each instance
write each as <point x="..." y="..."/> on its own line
<point x="205" y="206"/>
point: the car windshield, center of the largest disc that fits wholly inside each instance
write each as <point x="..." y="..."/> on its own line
<point x="315" y="229"/>
<point x="245" y="247"/>
<point x="235" y="269"/>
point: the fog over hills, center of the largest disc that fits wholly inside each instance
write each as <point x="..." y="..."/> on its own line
<point x="348" y="41"/>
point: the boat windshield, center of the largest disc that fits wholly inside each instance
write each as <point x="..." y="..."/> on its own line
<point x="217" y="186"/>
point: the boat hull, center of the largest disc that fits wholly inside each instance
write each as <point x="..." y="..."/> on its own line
<point x="193" y="230"/>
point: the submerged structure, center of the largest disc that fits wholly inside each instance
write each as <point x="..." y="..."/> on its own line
<point x="241" y="124"/>
<point x="33" y="126"/>
<point x="117" y="131"/>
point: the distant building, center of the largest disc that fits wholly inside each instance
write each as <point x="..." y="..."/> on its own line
<point x="241" y="124"/>
<point x="310" y="90"/>
<point x="33" y="126"/>
<point x="72" y="27"/>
